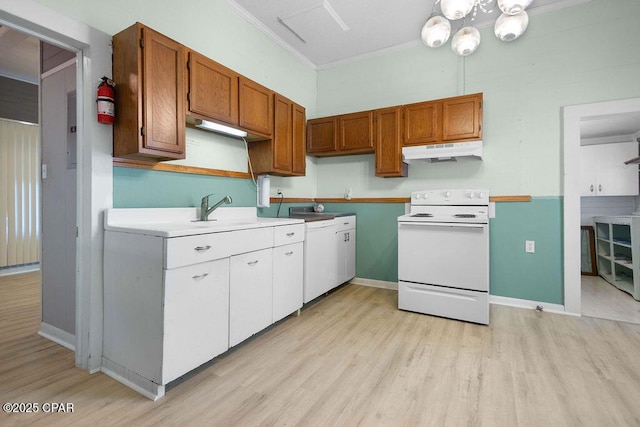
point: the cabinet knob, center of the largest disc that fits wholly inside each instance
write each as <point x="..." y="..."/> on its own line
<point x="290" y="234"/>
<point x="600" y="187"/>
<point x="202" y="248"/>
<point x="252" y="262"/>
<point x="199" y="276"/>
<point x="289" y="253"/>
<point x="591" y="188"/>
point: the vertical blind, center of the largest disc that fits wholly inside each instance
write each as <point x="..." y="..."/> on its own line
<point x="19" y="193"/>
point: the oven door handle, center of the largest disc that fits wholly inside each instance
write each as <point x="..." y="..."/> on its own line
<point x="440" y="224"/>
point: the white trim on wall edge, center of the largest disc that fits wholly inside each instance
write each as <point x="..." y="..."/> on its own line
<point x="532" y="305"/>
<point x="58" y="336"/>
<point x="375" y="283"/>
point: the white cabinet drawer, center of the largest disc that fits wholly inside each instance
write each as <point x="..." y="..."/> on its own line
<point x="181" y="251"/>
<point x="287" y="234"/>
<point x="346" y="222"/>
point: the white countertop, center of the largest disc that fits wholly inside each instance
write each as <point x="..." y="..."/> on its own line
<point x="178" y="222"/>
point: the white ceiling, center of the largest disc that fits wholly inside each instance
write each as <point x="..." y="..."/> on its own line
<point x="19" y="57"/>
<point x="326" y="32"/>
<point x="610" y="128"/>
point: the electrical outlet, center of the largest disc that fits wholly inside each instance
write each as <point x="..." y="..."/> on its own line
<point x="278" y="191"/>
<point x="529" y="246"/>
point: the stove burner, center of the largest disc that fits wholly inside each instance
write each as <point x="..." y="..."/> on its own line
<point x="465" y="215"/>
<point x="423" y="215"/>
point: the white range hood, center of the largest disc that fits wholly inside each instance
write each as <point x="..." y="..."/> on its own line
<point x="442" y="152"/>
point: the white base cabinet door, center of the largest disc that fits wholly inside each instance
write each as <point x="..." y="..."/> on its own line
<point x="346" y="248"/>
<point x="288" y="274"/>
<point x="196" y="316"/>
<point x="250" y="294"/>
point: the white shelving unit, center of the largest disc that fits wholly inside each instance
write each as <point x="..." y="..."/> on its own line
<point x="618" y="251"/>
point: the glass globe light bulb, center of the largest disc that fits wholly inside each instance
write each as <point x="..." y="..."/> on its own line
<point x="513" y="7"/>
<point x="466" y="41"/>
<point x="456" y="9"/>
<point x="436" y="31"/>
<point x="510" y="27"/>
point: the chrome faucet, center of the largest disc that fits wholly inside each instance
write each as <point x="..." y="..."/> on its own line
<point x="205" y="210"/>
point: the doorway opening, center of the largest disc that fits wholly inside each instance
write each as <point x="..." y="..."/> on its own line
<point x="576" y="122"/>
<point x="39" y="190"/>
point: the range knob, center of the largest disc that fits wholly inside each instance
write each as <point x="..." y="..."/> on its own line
<point x="425" y="196"/>
<point x="471" y="195"/>
<point x="447" y="194"/>
<point x="417" y="195"/>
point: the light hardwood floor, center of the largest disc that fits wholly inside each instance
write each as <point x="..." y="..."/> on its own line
<point x="601" y="299"/>
<point x="350" y="359"/>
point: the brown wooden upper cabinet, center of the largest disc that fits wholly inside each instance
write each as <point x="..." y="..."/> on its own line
<point x="356" y="132"/>
<point x="422" y="123"/>
<point x="322" y="136"/>
<point x="388" y="143"/>
<point x="462" y="118"/>
<point x="148" y="69"/>
<point x="213" y="90"/>
<point x="256" y="107"/>
<point x="341" y="135"/>
<point x="454" y="119"/>
<point x="284" y="154"/>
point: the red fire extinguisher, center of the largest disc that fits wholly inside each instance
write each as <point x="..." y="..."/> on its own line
<point x="106" y="101"/>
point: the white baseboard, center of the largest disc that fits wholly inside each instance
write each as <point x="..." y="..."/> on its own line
<point x="375" y="283"/>
<point x="58" y="336"/>
<point x="532" y="305"/>
<point x="493" y="299"/>
<point x="132" y="380"/>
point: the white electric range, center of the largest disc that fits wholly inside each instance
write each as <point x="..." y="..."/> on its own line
<point x="443" y="255"/>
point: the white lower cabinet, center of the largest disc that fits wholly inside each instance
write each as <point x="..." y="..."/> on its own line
<point x="196" y="316"/>
<point x="172" y="304"/>
<point x="288" y="274"/>
<point x="346" y="248"/>
<point x="250" y="295"/>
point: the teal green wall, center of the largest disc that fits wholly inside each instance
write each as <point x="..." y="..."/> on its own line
<point x="142" y="188"/>
<point x="514" y="273"/>
<point x="531" y="276"/>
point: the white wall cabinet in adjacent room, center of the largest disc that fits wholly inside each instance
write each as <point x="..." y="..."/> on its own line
<point x="346" y="248"/>
<point x="603" y="172"/>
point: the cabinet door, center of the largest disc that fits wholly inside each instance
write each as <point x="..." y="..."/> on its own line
<point x="288" y="276"/>
<point x="614" y="178"/>
<point x="422" y="123"/>
<point x="213" y="89"/>
<point x="588" y="161"/>
<point x="196" y="316"/>
<point x="299" y="140"/>
<point x="164" y="92"/>
<point x="256" y="107"/>
<point x="282" y="134"/>
<point x="388" y="137"/>
<point x="356" y="132"/>
<point x="462" y="118"/>
<point x="322" y="135"/>
<point x="346" y="255"/>
<point x="603" y="172"/>
<point x="250" y="294"/>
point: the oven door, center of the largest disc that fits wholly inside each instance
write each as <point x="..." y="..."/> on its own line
<point x="454" y="255"/>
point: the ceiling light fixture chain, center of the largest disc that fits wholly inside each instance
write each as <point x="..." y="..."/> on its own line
<point x="509" y="26"/>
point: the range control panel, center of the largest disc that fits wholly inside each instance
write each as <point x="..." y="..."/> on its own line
<point x="450" y="197"/>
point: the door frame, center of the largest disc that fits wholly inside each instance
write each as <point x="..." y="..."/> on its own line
<point x="571" y="183"/>
<point x="95" y="165"/>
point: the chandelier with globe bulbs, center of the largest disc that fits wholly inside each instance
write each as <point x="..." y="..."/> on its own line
<point x="508" y="27"/>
